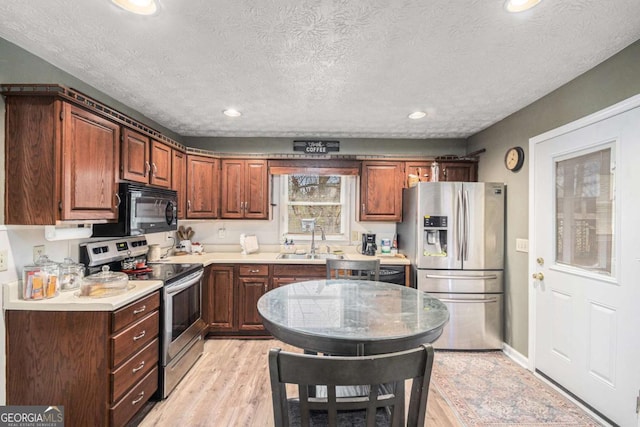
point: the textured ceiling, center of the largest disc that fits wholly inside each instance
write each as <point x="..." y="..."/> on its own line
<point x="324" y="68"/>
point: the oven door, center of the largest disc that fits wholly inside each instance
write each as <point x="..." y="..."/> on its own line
<point x="182" y="317"/>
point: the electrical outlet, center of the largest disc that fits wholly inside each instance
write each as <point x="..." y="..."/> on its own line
<point x="3" y="260"/>
<point x="522" y="245"/>
<point x="168" y="236"/>
<point x="222" y="233"/>
<point x="38" y="251"/>
<point x="355" y="236"/>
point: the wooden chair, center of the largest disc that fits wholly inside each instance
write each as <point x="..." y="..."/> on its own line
<point x="383" y="376"/>
<point x="353" y="269"/>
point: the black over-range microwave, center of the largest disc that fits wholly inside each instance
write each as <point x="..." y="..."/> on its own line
<point x="142" y="210"/>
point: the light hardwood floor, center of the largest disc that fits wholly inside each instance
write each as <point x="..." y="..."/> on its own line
<point x="229" y="386"/>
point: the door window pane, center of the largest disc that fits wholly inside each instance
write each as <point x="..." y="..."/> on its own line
<point x="584" y="212"/>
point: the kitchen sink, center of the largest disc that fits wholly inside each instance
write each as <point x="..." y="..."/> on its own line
<point x="309" y="256"/>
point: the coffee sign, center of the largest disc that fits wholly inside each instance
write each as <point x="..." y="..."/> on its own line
<point x="316" y="147"/>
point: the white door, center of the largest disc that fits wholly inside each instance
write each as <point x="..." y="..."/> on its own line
<point x="585" y="259"/>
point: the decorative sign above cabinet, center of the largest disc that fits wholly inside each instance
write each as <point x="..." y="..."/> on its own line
<point x="316" y="147"/>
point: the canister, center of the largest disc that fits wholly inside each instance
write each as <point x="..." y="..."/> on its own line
<point x="71" y="274"/>
<point x="385" y="246"/>
<point x="40" y="280"/>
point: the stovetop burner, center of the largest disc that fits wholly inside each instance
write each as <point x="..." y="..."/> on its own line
<point x="168" y="273"/>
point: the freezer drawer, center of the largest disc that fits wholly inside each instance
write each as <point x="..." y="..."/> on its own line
<point x="460" y="281"/>
<point x="476" y="322"/>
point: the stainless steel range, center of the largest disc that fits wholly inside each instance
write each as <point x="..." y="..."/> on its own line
<point x="181" y="337"/>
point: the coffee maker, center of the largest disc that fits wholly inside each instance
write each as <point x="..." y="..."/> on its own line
<point x="368" y="244"/>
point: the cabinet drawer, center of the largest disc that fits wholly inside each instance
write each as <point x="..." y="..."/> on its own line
<point x="300" y="270"/>
<point x="254" y="270"/>
<point x="133" y="401"/>
<point x="132" y="339"/>
<point x="133" y="370"/>
<point x="134" y="311"/>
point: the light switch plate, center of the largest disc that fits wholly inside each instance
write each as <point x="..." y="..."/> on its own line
<point x="522" y="245"/>
<point x="3" y="260"/>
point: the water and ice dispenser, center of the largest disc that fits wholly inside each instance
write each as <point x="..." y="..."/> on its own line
<point x="435" y="236"/>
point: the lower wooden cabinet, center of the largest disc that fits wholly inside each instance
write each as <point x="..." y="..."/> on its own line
<point x="230" y="294"/>
<point x="217" y="298"/>
<point x="100" y="365"/>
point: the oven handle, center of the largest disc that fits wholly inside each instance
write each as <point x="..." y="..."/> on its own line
<point x="180" y="286"/>
<point x="465" y="300"/>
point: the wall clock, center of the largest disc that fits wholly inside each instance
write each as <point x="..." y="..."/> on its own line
<point x="514" y="159"/>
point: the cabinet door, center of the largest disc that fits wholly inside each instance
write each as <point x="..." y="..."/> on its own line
<point x="244" y="189"/>
<point x="202" y="185"/>
<point x="459" y="171"/>
<point x="89" y="166"/>
<point x="217" y="298"/>
<point x="250" y="289"/>
<point x="232" y="188"/>
<point x="160" y="164"/>
<point x="421" y="170"/>
<point x="256" y="194"/>
<point x="135" y="156"/>
<point x="179" y="180"/>
<point x="381" y="191"/>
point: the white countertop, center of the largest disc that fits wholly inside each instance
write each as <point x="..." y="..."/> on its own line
<point x="69" y="301"/>
<point x="272" y="258"/>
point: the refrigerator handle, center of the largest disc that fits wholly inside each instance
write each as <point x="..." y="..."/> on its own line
<point x="462" y="300"/>
<point x="466" y="226"/>
<point x="437" y="276"/>
<point x="459" y="229"/>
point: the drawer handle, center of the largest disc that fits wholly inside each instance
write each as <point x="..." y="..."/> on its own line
<point x="138" y="399"/>
<point x="142" y="334"/>
<point x="134" y="370"/>
<point x="140" y="310"/>
<point x="254" y="271"/>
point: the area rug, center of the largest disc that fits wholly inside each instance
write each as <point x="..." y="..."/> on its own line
<point x="489" y="389"/>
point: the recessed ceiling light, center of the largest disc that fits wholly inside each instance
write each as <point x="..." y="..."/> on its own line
<point x="515" y="6"/>
<point x="140" y="7"/>
<point x="417" y="115"/>
<point x="232" y="113"/>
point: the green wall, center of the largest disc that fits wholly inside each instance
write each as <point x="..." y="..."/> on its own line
<point x="612" y="81"/>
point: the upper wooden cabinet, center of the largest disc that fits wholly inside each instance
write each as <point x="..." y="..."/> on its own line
<point x="381" y="191"/>
<point x="462" y="170"/>
<point x="202" y="187"/>
<point x="244" y="189"/>
<point x="420" y="170"/>
<point x="145" y="160"/>
<point x="61" y="164"/>
<point x="179" y="180"/>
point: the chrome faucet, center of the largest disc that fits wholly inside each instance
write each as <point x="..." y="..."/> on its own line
<point x="310" y="225"/>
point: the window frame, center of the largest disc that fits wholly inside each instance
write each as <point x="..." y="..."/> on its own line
<point x="347" y="184"/>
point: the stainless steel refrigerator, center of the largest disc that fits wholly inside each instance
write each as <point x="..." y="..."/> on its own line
<point x="453" y="233"/>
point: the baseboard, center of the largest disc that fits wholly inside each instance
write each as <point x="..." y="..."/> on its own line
<point x="514" y="355"/>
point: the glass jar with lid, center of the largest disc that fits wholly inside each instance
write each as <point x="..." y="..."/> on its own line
<point x="40" y="280"/>
<point x="104" y="284"/>
<point x="71" y="274"/>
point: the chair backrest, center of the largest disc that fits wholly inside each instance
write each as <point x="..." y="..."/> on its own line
<point x="353" y="269"/>
<point x="383" y="378"/>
